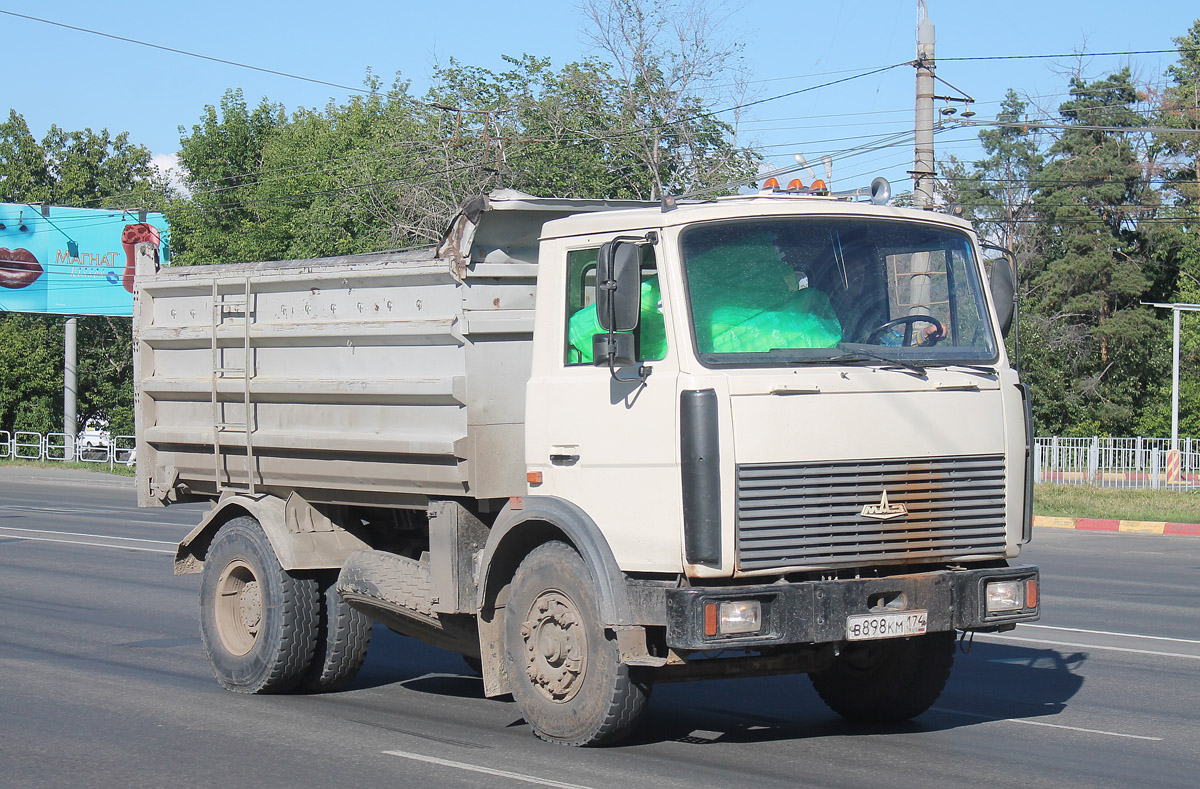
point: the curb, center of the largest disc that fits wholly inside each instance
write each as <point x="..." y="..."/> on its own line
<point x="1127" y="527"/>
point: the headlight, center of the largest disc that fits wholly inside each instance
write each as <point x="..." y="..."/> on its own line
<point x="743" y="616"/>
<point x="1005" y="596"/>
<point x="735" y="616"/>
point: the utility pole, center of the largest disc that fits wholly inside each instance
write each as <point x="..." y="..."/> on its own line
<point x="69" y="387"/>
<point x="923" y="171"/>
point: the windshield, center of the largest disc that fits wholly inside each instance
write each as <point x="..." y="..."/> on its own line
<point x="824" y="290"/>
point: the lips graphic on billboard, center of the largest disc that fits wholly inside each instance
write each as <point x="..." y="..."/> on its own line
<point x="19" y="268"/>
<point x="131" y="235"/>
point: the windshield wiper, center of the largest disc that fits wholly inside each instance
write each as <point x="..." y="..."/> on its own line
<point x="976" y="367"/>
<point x="862" y="355"/>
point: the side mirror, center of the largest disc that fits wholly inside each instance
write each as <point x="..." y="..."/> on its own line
<point x="615" y="349"/>
<point x="618" y="286"/>
<point x="1003" y="285"/>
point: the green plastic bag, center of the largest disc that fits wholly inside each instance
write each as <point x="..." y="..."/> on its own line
<point x="584" y="325"/>
<point x="745" y="299"/>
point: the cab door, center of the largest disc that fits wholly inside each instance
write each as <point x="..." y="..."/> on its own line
<point x="608" y="446"/>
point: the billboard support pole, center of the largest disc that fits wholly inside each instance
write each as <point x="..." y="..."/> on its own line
<point x="70" y="346"/>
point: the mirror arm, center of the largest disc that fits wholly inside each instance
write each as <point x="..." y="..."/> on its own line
<point x="643" y="372"/>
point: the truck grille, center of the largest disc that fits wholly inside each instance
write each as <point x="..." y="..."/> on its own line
<point x="792" y="514"/>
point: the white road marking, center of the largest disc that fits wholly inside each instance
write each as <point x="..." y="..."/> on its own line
<point x="84" y="534"/>
<point x="1110" y="633"/>
<point x="1028" y="722"/>
<point x="1086" y="646"/>
<point x="529" y="779"/>
<point x="29" y="535"/>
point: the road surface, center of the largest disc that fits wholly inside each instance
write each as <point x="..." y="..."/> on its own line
<point x="103" y="682"/>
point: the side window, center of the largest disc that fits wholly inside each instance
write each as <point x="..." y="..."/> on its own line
<point x="582" y="324"/>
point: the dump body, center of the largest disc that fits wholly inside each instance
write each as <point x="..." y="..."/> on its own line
<point x="369" y="379"/>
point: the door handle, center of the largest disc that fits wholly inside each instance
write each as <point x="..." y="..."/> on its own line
<point x="564" y="460"/>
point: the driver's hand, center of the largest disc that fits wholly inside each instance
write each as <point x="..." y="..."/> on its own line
<point x="931" y="334"/>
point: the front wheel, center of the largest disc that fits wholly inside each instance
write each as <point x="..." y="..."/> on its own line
<point x="887" y="681"/>
<point x="258" y="622"/>
<point x="565" y="673"/>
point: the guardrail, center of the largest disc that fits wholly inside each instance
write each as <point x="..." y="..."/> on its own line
<point x="58" y="447"/>
<point x="1139" y="463"/>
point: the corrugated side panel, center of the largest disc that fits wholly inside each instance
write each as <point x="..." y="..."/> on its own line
<point x="810" y="514"/>
<point x="363" y="380"/>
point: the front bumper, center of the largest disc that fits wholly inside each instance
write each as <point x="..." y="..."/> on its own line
<point x="815" y="612"/>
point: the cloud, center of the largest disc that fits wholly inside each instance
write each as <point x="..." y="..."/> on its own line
<point x="168" y="165"/>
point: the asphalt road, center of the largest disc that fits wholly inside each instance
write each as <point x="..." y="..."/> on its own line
<point x="103" y="683"/>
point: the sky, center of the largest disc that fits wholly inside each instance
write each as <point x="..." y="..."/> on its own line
<point x="79" y="80"/>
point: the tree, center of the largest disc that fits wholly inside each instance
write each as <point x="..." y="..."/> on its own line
<point x="221" y="156"/>
<point x="998" y="192"/>
<point x="669" y="59"/>
<point x="387" y="170"/>
<point x="1176" y="250"/>
<point x="1092" y="268"/>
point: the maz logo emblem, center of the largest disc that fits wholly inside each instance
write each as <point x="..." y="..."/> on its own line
<point x="884" y="511"/>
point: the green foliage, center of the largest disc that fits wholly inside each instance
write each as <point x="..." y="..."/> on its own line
<point x="1090" y="273"/>
<point x="78" y="168"/>
<point x="31" y="370"/>
<point x="387" y="170"/>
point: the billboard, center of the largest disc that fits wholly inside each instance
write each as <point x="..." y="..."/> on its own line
<point x="72" y="261"/>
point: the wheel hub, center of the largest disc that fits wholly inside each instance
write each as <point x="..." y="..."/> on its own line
<point x="555" y="647"/>
<point x="239" y="607"/>
<point x="250" y="604"/>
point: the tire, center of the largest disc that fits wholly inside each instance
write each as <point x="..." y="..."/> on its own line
<point x="564" y="672"/>
<point x="258" y="622"/>
<point x="343" y="636"/>
<point x="887" y="681"/>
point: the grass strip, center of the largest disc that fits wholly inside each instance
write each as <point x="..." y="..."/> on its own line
<point x="1123" y="504"/>
<point x="119" y="469"/>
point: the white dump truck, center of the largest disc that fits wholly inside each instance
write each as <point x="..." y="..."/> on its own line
<point x="592" y="446"/>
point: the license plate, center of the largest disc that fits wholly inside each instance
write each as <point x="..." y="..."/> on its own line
<point x="862" y="627"/>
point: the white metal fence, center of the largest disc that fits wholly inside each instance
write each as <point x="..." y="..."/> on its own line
<point x="1108" y="462"/>
<point x="28" y="445"/>
<point x="1118" y="462"/>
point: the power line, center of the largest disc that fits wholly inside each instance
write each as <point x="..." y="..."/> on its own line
<point x="1039" y="126"/>
<point x="1178" y="50"/>
<point x="185" y="52"/>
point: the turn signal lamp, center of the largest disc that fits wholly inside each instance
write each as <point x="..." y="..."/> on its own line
<point x="771" y="183"/>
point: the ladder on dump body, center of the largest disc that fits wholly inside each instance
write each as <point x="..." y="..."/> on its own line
<point x="222" y="305"/>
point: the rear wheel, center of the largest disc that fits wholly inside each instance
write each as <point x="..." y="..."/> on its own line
<point x="344" y="633"/>
<point x="889" y="680"/>
<point x="565" y="673"/>
<point x="258" y="622"/>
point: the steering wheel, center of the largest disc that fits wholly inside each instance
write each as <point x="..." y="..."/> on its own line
<point x="907" y="321"/>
